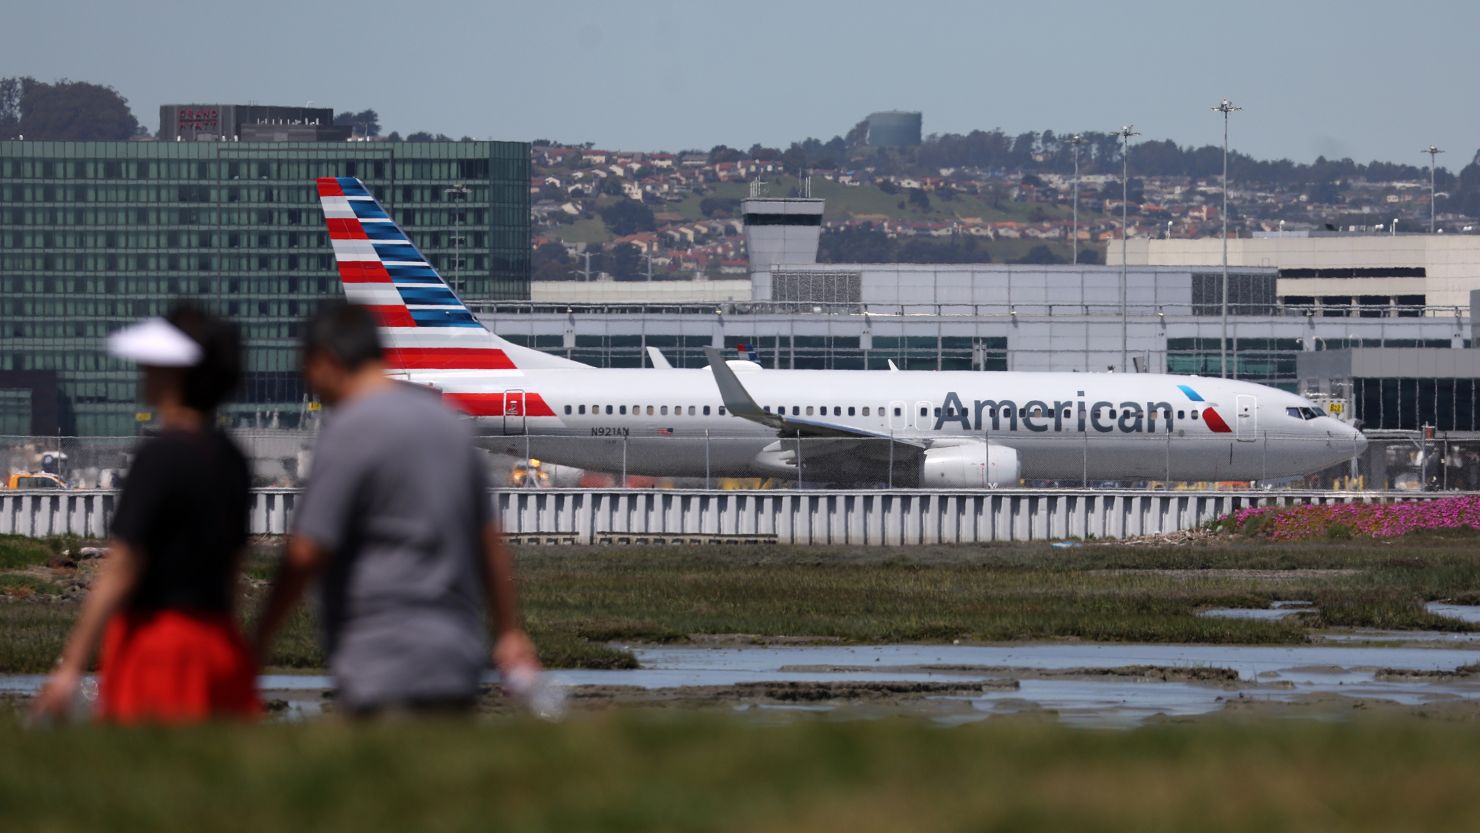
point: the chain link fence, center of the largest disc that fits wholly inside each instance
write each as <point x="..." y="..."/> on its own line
<point x="659" y="458"/>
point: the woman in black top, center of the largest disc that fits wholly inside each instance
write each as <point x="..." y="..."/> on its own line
<point x="164" y="603"/>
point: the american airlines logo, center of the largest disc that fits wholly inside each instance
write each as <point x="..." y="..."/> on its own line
<point x="1077" y="414"/>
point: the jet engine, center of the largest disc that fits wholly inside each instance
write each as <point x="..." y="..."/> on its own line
<point x="974" y="466"/>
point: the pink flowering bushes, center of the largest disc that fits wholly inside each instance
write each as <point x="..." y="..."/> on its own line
<point x="1348" y="520"/>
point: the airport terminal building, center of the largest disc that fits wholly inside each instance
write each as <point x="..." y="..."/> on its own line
<point x="805" y="314"/>
<point x="97" y="234"/>
<point x="1071" y="318"/>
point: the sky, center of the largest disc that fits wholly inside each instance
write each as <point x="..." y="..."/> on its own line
<point x="1358" y="78"/>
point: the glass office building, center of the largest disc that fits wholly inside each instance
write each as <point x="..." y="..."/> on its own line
<point x="94" y="235"/>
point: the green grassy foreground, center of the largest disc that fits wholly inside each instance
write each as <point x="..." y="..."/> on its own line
<point x="577" y="600"/>
<point x="669" y="773"/>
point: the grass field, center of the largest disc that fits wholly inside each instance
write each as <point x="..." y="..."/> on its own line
<point x="578" y="600"/>
<point x="664" y="772"/>
<point x="641" y="768"/>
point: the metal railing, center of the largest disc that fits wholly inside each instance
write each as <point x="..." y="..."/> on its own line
<point x="850" y="518"/>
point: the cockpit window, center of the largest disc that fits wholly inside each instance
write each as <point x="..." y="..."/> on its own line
<point x="1305" y="413"/>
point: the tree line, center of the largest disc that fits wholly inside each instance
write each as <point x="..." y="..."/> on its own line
<point x="66" y="110"/>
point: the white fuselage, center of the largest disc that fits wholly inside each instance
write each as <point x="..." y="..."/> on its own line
<point x="1063" y="426"/>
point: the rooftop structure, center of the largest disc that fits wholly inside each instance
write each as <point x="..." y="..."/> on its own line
<point x="781" y="230"/>
<point x="1339" y="273"/>
<point x="249" y="123"/>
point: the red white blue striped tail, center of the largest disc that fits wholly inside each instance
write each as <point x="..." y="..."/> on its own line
<point x="423" y="323"/>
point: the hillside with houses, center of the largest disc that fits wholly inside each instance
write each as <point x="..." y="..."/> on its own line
<point x="631" y="215"/>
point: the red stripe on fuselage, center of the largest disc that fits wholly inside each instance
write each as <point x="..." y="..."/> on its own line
<point x="363" y="271"/>
<point x="499" y="404"/>
<point x="344" y="228"/>
<point x="329" y="187"/>
<point x="1215" y="422"/>
<point x="390" y="316"/>
<point x="447" y="358"/>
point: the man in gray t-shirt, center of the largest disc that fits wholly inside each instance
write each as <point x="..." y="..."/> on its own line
<point x="396" y="520"/>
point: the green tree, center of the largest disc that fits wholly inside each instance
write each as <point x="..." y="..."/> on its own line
<point x="551" y="262"/>
<point x="627" y="217"/>
<point x="1040" y="254"/>
<point x="794" y="160"/>
<point x="365" y="122"/>
<point x="856" y="244"/>
<point x="69" y="111"/>
<point x="10" y="107"/>
<point x="719" y="206"/>
<point x="625" y="263"/>
<point x="919" y="199"/>
<point x="724" y="153"/>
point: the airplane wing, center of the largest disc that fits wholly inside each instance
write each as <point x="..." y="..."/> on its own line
<point x="659" y="361"/>
<point x="740" y="403"/>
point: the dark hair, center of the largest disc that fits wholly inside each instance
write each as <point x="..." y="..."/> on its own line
<point x="348" y="333"/>
<point x="212" y="380"/>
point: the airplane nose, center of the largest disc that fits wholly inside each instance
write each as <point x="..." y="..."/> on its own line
<point x="1359" y="441"/>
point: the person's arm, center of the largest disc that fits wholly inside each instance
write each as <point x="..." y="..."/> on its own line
<point x="119" y="575"/>
<point x="302" y="561"/>
<point x="512" y="647"/>
<point x="325" y="510"/>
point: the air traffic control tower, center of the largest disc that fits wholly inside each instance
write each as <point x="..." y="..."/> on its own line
<point x="781" y="230"/>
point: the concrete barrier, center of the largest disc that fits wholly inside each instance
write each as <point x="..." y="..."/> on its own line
<point x="854" y="518"/>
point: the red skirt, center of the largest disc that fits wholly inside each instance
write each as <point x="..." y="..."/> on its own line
<point x="174" y="667"/>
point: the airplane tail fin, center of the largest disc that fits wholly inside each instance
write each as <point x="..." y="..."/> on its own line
<point x="423" y="324"/>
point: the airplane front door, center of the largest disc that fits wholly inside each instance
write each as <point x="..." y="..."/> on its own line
<point x="899" y="419"/>
<point x="513" y="412"/>
<point x="1246" y="416"/>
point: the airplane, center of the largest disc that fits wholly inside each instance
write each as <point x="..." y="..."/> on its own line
<point x="936" y="429"/>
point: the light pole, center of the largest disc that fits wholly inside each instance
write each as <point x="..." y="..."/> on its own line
<point x="462" y="194"/>
<point x="1433" y="153"/>
<point x="1125" y="133"/>
<point x="1225" y="107"/>
<point x="1075" y="141"/>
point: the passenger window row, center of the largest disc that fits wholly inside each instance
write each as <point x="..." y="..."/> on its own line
<point x="637" y="410"/>
<point x="866" y="410"/>
<point x="825" y="410"/>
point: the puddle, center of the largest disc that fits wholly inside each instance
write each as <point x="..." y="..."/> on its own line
<point x="1276" y="611"/>
<point x="1464" y="613"/>
<point x="966" y="661"/>
<point x="1067" y="679"/>
<point x="1408" y="637"/>
<point x="1099" y="703"/>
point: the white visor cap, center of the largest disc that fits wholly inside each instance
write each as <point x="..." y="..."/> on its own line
<point x="155" y="342"/>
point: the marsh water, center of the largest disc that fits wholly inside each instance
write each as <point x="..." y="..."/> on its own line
<point x="1079" y="683"/>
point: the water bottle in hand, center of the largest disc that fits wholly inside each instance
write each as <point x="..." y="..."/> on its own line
<point x="543" y="697"/>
